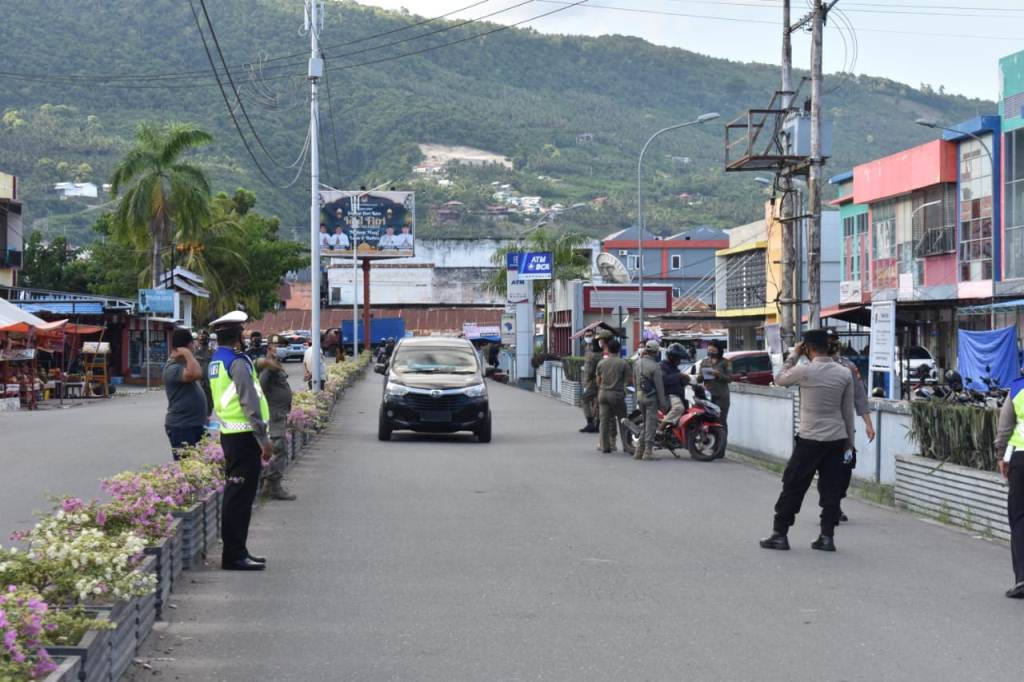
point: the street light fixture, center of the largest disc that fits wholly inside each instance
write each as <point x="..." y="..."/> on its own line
<point x="703" y="118"/>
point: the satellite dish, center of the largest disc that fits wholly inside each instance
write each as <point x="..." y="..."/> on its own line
<point x="612" y="270"/>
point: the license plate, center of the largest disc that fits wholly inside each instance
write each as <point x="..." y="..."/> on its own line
<point x="436" y="416"/>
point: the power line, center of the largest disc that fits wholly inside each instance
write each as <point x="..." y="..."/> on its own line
<point x="130" y="79"/>
<point x="234" y="89"/>
<point x="227" y="102"/>
<point x="330" y="118"/>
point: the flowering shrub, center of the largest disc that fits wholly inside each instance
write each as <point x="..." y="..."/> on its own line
<point x="28" y="624"/>
<point x="71" y="561"/>
<point x="22" y="656"/>
<point x="309" y="411"/>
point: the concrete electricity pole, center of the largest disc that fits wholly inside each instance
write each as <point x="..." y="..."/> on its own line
<point x="788" y="256"/>
<point x="814" y="180"/>
<point x="314" y="24"/>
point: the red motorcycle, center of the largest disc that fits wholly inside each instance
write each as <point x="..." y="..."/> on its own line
<point x="698" y="430"/>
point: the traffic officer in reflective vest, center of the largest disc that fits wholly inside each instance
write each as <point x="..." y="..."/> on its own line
<point x="1010" y="454"/>
<point x="243" y="412"/>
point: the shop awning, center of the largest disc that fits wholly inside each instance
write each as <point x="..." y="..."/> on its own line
<point x="82" y="329"/>
<point x="858" y="314"/>
<point x="15" y="320"/>
<point x="63" y="307"/>
<point x="1005" y="306"/>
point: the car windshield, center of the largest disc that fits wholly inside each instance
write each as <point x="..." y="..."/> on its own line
<point x="918" y="353"/>
<point x="435" y="360"/>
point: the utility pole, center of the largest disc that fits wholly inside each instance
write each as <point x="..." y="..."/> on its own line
<point x="355" y="277"/>
<point x="788" y="256"/>
<point x="314" y="24"/>
<point x="814" y="180"/>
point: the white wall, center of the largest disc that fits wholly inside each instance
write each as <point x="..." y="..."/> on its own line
<point x="761" y="424"/>
<point x="414" y="285"/>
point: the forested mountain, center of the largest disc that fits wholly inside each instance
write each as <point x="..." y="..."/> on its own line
<point x="78" y="75"/>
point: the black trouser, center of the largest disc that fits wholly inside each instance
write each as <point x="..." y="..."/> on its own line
<point x="809" y="457"/>
<point x="242" y="468"/>
<point x="184" y="435"/>
<point x="1015" y="513"/>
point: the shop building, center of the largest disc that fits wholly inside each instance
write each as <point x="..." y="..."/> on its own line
<point x="685" y="261"/>
<point x="11" y="230"/>
<point x="749" y="275"/>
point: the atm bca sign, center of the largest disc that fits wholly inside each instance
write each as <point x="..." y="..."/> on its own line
<point x="536" y="265"/>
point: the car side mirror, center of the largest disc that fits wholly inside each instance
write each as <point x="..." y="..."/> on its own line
<point x="380" y="368"/>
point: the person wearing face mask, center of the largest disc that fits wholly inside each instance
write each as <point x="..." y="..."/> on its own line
<point x="592" y="354"/>
<point x="675" y="385"/>
<point x="716" y="373"/>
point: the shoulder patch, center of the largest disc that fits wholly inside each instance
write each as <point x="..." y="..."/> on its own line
<point x="214" y="370"/>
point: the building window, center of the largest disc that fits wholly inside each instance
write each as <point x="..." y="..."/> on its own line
<point x="934" y="224"/>
<point x="633" y="262"/>
<point x="677" y="263"/>
<point x="1014" y="202"/>
<point x="975" y="212"/>
<point x="675" y="292"/>
<point x="883" y="245"/>
<point x="855" y="234"/>
<point x="745" y="280"/>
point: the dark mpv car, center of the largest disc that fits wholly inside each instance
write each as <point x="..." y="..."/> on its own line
<point x="434" y="385"/>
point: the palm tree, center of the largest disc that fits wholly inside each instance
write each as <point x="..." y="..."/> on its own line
<point x="161" y="193"/>
<point x="569" y="263"/>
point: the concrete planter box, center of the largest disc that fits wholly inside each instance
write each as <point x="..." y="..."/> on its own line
<point x="69" y="669"/>
<point x="162" y="556"/>
<point x="571" y="392"/>
<point x="967" y="497"/>
<point x="123" y="639"/>
<point x="93" y="651"/>
<point x="191" y="535"/>
<point x="147" y="607"/>
<point x="545" y="369"/>
<point x="211" y="528"/>
<point x="177" y="560"/>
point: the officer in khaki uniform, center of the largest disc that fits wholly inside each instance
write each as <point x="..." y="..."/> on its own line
<point x="243" y="412"/>
<point x="650" y="396"/>
<point x="274" y="381"/>
<point x="591" y="356"/>
<point x="613" y="375"/>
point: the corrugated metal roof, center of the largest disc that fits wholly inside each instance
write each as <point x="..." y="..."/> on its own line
<point x="61" y="307"/>
<point x="417" y="320"/>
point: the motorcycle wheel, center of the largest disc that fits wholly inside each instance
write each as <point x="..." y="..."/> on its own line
<point x="706" y="445"/>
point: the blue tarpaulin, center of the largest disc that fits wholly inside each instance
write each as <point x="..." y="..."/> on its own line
<point x="987" y="354"/>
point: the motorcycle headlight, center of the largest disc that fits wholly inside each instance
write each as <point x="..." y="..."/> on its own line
<point x="476" y="391"/>
<point x="393" y="390"/>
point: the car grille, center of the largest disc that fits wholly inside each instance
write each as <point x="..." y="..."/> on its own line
<point x="446" y="403"/>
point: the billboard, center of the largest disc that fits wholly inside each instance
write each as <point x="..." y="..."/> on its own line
<point x="156" y="301"/>
<point x="384" y="228"/>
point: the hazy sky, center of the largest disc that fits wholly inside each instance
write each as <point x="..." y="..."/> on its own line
<point x="955" y="43"/>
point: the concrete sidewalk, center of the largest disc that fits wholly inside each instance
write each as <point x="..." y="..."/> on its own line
<point x="535" y="557"/>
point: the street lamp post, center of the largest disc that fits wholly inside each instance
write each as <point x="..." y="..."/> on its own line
<point x="703" y="118"/>
<point x="931" y="123"/>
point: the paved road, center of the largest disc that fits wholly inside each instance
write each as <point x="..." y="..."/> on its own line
<point x="537" y="558"/>
<point x="68" y="451"/>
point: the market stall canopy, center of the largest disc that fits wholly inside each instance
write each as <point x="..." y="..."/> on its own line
<point x="15" y="320"/>
<point x="82" y="329"/>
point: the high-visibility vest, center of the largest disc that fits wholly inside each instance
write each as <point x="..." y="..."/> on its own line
<point x="1017" y="396"/>
<point x="225" y="397"/>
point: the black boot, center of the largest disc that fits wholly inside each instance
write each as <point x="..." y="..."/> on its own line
<point x="824" y="543"/>
<point x="776" y="541"/>
<point x="591" y="426"/>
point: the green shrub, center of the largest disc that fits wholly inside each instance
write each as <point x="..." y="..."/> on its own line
<point x="572" y="367"/>
<point x="960" y="434"/>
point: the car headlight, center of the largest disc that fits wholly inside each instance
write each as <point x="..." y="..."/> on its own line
<point x="393" y="390"/>
<point x="476" y="391"/>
